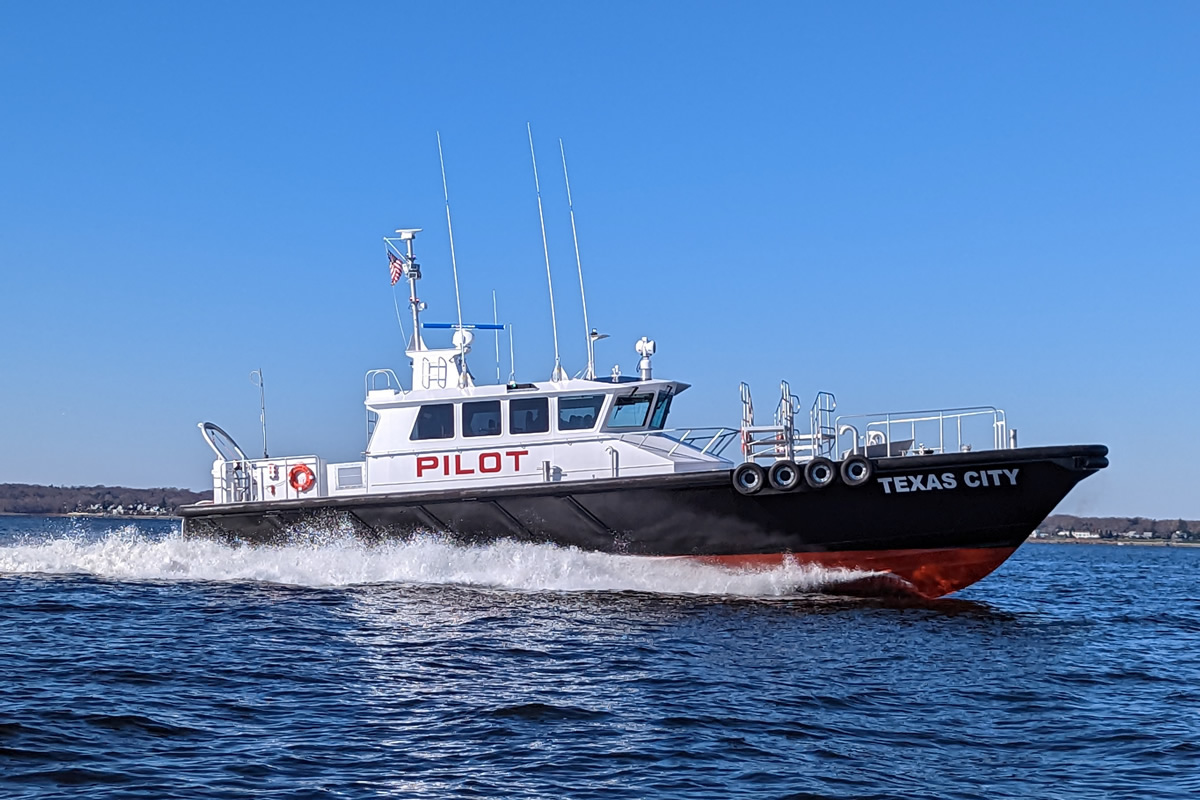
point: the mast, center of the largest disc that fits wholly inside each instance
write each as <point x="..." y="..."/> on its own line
<point x="412" y="270"/>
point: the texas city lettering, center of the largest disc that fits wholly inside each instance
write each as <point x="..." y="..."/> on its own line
<point x="948" y="480"/>
<point x="486" y="463"/>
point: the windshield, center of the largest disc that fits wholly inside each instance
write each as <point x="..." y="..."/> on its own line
<point x="630" y="411"/>
<point x="661" y="410"/>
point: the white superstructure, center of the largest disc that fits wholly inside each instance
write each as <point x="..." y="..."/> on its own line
<point x="447" y="432"/>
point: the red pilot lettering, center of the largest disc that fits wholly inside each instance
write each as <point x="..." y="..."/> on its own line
<point x="488" y="463"/>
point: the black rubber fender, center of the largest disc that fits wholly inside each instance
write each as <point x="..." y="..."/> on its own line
<point x="857" y="470"/>
<point x="784" y="475"/>
<point x="749" y="478"/>
<point x="819" y="473"/>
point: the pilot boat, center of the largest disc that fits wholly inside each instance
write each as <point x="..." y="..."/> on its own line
<point x="589" y="462"/>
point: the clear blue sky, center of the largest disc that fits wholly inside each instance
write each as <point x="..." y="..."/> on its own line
<point x="913" y="205"/>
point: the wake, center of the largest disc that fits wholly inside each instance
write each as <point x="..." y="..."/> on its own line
<point x="336" y="560"/>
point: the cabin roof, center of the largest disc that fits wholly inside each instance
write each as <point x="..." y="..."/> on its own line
<point x="390" y="398"/>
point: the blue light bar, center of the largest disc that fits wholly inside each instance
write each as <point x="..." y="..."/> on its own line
<point x="481" y="326"/>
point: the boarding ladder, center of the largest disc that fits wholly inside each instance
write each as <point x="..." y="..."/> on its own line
<point x="762" y="441"/>
<point x="768" y="442"/>
<point x="822" y="426"/>
<point x="783" y="440"/>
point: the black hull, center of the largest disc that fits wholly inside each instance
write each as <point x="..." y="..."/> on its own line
<point x="988" y="501"/>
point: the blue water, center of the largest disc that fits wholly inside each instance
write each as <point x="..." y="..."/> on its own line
<point x="134" y="664"/>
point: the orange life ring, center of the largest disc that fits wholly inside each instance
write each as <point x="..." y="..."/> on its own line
<point x="301" y="478"/>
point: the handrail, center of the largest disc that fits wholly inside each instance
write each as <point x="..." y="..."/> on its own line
<point x="371" y="384"/>
<point x="883" y="423"/>
<point x="389" y="376"/>
<point x="210" y="429"/>
<point x="239" y="480"/>
<point x="714" y="439"/>
<point x="879" y="436"/>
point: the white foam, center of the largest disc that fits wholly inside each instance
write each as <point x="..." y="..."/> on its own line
<point x="128" y="554"/>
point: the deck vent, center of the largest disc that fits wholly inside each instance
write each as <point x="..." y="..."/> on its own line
<point x="350" y="477"/>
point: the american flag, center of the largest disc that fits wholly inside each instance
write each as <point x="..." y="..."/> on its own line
<point x="397" y="267"/>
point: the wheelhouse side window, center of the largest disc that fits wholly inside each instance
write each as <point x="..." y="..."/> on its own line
<point x="630" y="411"/>
<point x="661" y="409"/>
<point x="434" y="422"/>
<point x="579" y="413"/>
<point x="481" y="418"/>
<point x="529" y="415"/>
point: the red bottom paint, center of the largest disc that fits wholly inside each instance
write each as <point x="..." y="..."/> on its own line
<point x="932" y="573"/>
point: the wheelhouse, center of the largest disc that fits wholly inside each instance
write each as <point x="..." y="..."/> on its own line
<point x="567" y="411"/>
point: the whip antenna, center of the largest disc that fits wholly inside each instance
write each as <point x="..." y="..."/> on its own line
<point x="453" y="264"/>
<point x="512" y="358"/>
<point x="256" y="377"/>
<point x="558" y="373"/>
<point x="496" y="322"/>
<point x="587" y="330"/>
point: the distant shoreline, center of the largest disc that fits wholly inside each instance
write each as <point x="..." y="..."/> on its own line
<point x="103" y="501"/>
<point x="1136" y="542"/>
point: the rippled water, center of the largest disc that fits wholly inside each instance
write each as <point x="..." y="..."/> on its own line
<point x="135" y="664"/>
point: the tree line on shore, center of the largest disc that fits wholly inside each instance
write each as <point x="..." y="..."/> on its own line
<point x="1115" y="526"/>
<point x="26" y="498"/>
